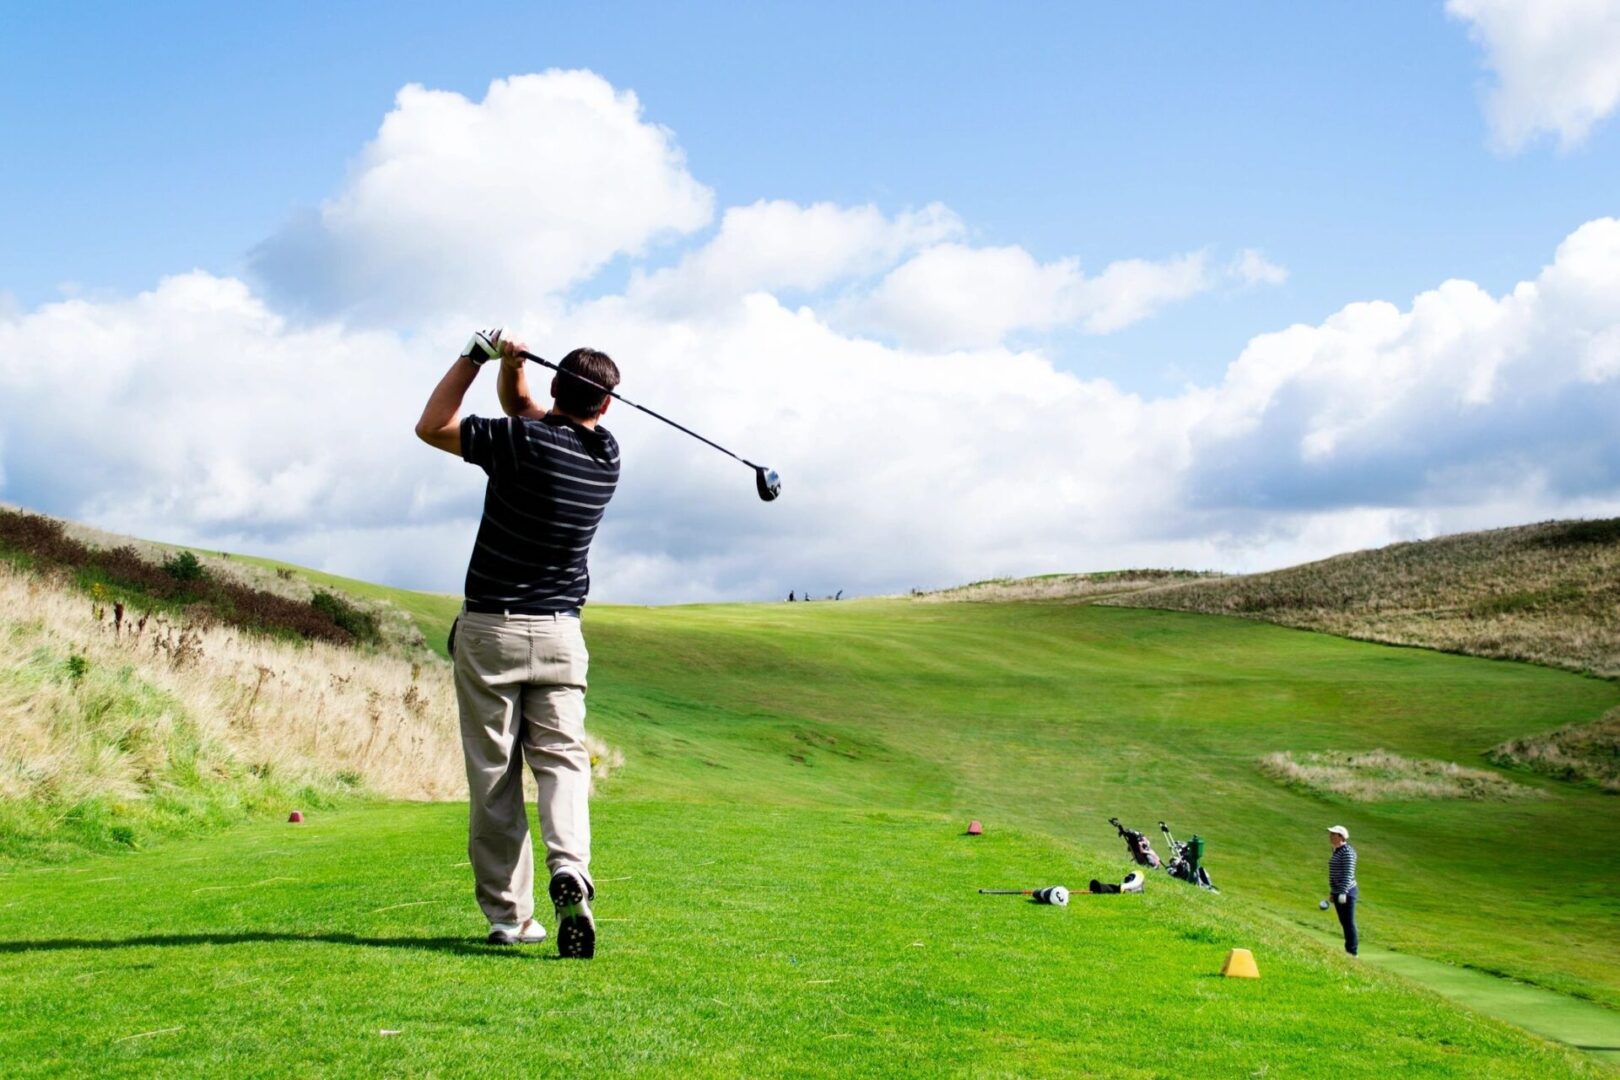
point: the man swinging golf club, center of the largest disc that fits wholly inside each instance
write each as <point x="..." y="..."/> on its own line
<point x="519" y="656"/>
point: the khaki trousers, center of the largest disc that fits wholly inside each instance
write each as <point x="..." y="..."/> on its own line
<point x="520" y="685"/>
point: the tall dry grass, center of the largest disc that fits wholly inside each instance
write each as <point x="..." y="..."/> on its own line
<point x="1060" y="586"/>
<point x="110" y="734"/>
<point x="1586" y="753"/>
<point x="1380" y="776"/>
<point x="89" y="710"/>
<point x="1547" y="594"/>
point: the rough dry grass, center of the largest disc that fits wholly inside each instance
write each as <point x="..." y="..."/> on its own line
<point x="1547" y="594"/>
<point x="1587" y="752"/>
<point x="111" y="734"/>
<point x="1061" y="586"/>
<point x="1380" y="776"/>
<point x="93" y="716"/>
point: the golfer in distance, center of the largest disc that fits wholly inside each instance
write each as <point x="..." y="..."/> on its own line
<point x="1342" y="887"/>
<point x="519" y="656"/>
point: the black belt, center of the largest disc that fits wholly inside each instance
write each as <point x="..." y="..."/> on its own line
<point x="492" y="607"/>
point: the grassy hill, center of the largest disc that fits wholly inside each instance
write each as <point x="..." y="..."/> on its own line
<point x="1548" y="594"/>
<point x="788" y="892"/>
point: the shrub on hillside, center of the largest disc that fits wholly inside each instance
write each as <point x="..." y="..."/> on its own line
<point x="180" y="585"/>
<point x="184" y="567"/>
<point x="361" y="624"/>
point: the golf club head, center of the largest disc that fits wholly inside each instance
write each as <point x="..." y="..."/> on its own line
<point x="1056" y="895"/>
<point x="767" y="483"/>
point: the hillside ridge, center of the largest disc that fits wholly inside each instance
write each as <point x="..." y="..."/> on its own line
<point x="1547" y="593"/>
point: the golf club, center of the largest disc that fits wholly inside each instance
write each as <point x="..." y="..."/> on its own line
<point x="766" y="482"/>
<point x="1056" y="895"/>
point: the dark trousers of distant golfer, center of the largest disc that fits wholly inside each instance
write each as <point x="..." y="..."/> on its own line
<point x="520" y="656"/>
<point x="1347" y="920"/>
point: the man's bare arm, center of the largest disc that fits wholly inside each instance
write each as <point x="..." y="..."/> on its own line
<point x="513" y="384"/>
<point x="440" y="425"/>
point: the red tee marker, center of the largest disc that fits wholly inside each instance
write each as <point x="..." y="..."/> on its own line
<point x="296" y="817"/>
<point x="975" y="829"/>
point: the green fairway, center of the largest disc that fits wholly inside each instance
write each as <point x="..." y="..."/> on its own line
<point x="734" y="941"/>
<point x="1054" y="716"/>
<point x="1057" y="716"/>
<point x="788" y="893"/>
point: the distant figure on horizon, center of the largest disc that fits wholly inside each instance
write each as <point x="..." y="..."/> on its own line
<point x="1342" y="885"/>
<point x="790" y="596"/>
<point x="518" y="651"/>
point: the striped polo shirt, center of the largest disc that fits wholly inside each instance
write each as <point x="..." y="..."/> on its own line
<point x="1342" y="869"/>
<point x="549" y="482"/>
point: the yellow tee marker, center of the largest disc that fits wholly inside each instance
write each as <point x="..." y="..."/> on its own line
<point x="1240" y="965"/>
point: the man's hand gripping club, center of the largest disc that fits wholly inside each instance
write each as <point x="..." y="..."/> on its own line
<point x="440" y="425"/>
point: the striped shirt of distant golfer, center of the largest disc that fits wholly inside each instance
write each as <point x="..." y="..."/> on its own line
<point x="549" y="482"/>
<point x="1342" y="869"/>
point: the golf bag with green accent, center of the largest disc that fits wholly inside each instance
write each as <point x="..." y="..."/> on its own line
<point x="1187" y="860"/>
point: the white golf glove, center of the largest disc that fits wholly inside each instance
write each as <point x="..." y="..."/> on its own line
<point x="1344" y="897"/>
<point x="483" y="346"/>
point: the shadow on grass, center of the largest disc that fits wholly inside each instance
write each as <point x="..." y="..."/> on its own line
<point x="461" y="945"/>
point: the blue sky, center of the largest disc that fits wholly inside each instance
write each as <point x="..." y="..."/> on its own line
<point x="1344" y="141"/>
<point x="1372" y="151"/>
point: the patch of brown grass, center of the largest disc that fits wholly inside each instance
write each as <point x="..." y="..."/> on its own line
<point x="1380" y="776"/>
<point x="1060" y="586"/>
<point x="1585" y="753"/>
<point x="1547" y="594"/>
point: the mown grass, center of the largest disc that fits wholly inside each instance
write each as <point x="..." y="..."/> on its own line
<point x="1056" y="716"/>
<point x="1059" y="715"/>
<point x="736" y="940"/>
<point x="1548" y="594"/>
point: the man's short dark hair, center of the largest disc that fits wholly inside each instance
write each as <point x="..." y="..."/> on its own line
<point x="577" y="398"/>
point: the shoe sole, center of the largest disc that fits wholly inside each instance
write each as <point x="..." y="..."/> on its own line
<point x="576" y="929"/>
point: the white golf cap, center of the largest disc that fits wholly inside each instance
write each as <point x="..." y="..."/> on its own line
<point x="1341" y="830"/>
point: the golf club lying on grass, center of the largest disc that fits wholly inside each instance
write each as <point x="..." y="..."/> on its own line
<point x="1056" y="895"/>
<point x="766" y="481"/>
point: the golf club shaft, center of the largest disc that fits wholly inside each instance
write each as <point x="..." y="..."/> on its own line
<point x="1007" y="892"/>
<point x="620" y="397"/>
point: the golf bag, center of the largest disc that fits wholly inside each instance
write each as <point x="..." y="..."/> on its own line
<point x="1141" y="852"/>
<point x="1187" y="860"/>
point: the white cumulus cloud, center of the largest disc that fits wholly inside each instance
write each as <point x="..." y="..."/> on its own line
<point x="1557" y="65"/>
<point x="953" y="296"/>
<point x="780" y="245"/>
<point x="476" y="207"/>
<point x="1251" y="267"/>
